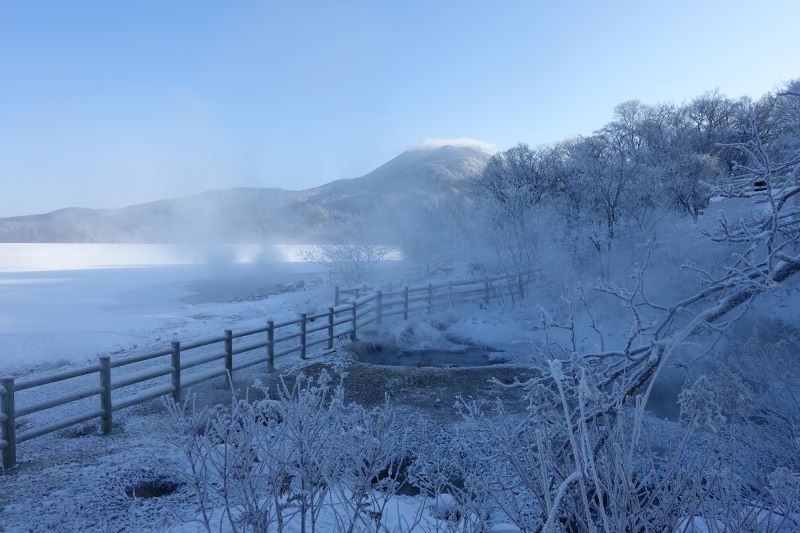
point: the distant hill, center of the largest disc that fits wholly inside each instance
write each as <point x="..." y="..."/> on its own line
<point x="382" y="201"/>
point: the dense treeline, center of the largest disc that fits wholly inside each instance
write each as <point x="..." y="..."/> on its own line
<point x="650" y="163"/>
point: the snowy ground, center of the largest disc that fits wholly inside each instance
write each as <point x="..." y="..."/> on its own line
<point x="92" y="472"/>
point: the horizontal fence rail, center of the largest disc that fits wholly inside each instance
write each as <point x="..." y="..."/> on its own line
<point x="257" y="346"/>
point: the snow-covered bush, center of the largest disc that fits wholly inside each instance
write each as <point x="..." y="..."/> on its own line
<point x="558" y="469"/>
<point x="351" y="262"/>
<point x="290" y="457"/>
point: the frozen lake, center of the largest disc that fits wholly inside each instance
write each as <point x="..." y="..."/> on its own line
<point x="70" y="302"/>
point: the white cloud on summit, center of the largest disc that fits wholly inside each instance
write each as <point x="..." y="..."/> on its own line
<point x="429" y="144"/>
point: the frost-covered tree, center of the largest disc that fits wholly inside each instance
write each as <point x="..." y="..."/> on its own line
<point x="511" y="192"/>
<point x="620" y="185"/>
<point x="614" y="182"/>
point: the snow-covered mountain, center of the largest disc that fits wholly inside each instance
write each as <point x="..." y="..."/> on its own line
<point x="381" y="201"/>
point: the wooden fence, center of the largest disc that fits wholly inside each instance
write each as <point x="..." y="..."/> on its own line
<point x="182" y="361"/>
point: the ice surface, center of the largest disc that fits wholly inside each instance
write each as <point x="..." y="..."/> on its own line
<point x="64" y="303"/>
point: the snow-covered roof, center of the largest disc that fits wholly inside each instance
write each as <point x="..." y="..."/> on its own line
<point x="744" y="206"/>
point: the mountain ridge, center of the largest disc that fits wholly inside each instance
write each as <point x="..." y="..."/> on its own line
<point x="378" y="201"/>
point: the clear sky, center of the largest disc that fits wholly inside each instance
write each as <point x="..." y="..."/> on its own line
<point x="105" y="104"/>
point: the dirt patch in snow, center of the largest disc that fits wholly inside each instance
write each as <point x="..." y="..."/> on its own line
<point x="429" y="390"/>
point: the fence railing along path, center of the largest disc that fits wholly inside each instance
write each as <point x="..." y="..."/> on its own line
<point x="185" y="365"/>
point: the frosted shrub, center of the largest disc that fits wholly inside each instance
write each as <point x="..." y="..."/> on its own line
<point x="700" y="406"/>
<point x="292" y="457"/>
<point x="442" y="469"/>
<point x="541" y="471"/>
<point x="235" y="462"/>
<point x="754" y="446"/>
<point x="352" y="261"/>
<point x="303" y="459"/>
<point x="552" y="470"/>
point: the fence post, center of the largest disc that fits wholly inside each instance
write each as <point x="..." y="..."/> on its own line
<point x="488" y="294"/>
<point x="405" y="303"/>
<point x="510" y="285"/>
<point x="355" y="316"/>
<point x="450" y="292"/>
<point x="303" y="322"/>
<point x="106" y="421"/>
<point x="229" y="354"/>
<point x="336" y="295"/>
<point x="430" y="298"/>
<point x="8" y="423"/>
<point x="271" y="346"/>
<point x="521" y="288"/>
<point x="176" y="370"/>
<point x="379" y="304"/>
<point x="330" y="328"/>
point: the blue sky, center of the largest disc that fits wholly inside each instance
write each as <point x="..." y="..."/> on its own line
<point x="105" y="104"/>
